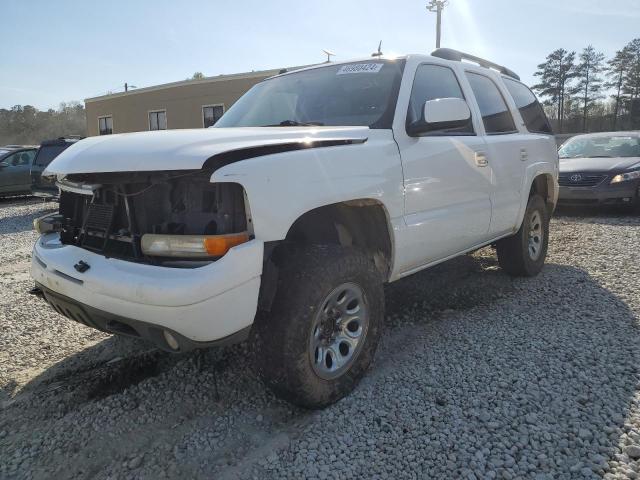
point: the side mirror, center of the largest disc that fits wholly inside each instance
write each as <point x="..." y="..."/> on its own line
<point x="3" y="165"/>
<point x="441" y="114"/>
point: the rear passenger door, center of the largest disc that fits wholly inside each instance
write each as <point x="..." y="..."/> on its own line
<point x="506" y="152"/>
<point x="447" y="188"/>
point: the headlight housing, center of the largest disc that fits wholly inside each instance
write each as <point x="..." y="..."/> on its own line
<point x="191" y="246"/>
<point x="623" y="177"/>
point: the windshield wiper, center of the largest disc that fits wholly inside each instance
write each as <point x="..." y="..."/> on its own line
<point x="294" y="123"/>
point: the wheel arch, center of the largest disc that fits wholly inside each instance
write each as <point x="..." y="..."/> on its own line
<point x="363" y="223"/>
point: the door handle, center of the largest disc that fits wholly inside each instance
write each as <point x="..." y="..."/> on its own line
<point x="481" y="159"/>
<point x="524" y="155"/>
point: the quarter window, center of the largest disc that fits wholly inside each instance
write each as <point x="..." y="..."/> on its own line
<point x="158" y="120"/>
<point x="431" y="83"/>
<point x="530" y="109"/>
<point x="495" y="114"/>
<point x="211" y="114"/>
<point x="105" y="125"/>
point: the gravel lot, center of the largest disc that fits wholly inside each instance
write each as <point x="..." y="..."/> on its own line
<point x="478" y="376"/>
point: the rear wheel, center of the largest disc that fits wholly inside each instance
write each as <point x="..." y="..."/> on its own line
<point x="323" y="329"/>
<point x="524" y="253"/>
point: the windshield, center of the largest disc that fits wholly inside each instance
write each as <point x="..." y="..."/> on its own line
<point x="354" y="94"/>
<point x="601" y="146"/>
<point x="47" y="153"/>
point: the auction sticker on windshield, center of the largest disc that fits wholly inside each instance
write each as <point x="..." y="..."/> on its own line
<point x="360" y="68"/>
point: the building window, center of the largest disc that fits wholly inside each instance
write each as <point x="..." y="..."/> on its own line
<point x="211" y="114"/>
<point x="158" y="120"/>
<point x="105" y="125"/>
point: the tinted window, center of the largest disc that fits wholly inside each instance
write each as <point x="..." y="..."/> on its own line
<point x="431" y="83"/>
<point x="358" y="94"/>
<point x="47" y="153"/>
<point x="530" y="109"/>
<point x="495" y="114"/>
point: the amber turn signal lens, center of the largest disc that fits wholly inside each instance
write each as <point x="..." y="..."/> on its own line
<point x="218" y="245"/>
<point x="190" y="246"/>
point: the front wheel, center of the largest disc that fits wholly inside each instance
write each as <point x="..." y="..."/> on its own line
<point x="524" y="253"/>
<point x="323" y="329"/>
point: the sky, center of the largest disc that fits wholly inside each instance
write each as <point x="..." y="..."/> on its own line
<point x="56" y="51"/>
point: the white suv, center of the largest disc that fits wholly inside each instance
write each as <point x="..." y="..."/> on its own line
<point x="282" y="222"/>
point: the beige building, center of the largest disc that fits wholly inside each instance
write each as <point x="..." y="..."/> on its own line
<point x="186" y="104"/>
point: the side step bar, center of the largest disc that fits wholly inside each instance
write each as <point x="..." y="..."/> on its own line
<point x="457" y="56"/>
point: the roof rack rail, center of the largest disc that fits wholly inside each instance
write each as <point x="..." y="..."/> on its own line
<point x="457" y="56"/>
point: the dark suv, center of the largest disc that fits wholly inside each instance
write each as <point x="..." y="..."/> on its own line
<point x="49" y="149"/>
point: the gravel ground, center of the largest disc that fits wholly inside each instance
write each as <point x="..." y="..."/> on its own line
<point x="478" y="376"/>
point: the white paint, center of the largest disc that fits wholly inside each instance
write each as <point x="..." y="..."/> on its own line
<point x="440" y="198"/>
<point x="443" y="110"/>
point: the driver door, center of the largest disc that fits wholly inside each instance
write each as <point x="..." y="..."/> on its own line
<point x="446" y="183"/>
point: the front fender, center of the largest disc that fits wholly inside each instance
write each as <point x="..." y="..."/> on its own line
<point x="283" y="186"/>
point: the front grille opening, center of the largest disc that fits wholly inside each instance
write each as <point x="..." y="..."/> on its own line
<point x="127" y="206"/>
<point x="580" y="179"/>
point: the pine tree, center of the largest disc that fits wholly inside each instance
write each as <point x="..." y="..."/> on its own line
<point x="589" y="80"/>
<point x="631" y="83"/>
<point x="616" y="70"/>
<point x="555" y="76"/>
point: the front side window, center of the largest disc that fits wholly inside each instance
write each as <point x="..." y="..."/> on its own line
<point x="211" y="114"/>
<point x="530" y="109"/>
<point x="495" y="114"/>
<point x="105" y="125"/>
<point x="26" y="157"/>
<point x="601" y="146"/>
<point x="12" y="160"/>
<point x="352" y="94"/>
<point x="158" y="120"/>
<point x="431" y="83"/>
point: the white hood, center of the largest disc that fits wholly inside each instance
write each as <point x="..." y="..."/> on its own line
<point x="182" y="149"/>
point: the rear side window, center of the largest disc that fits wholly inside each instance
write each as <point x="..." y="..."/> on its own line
<point x="47" y="153"/>
<point x="530" y="109"/>
<point x="431" y="83"/>
<point x="495" y="114"/>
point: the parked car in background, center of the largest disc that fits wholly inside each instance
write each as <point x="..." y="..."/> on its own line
<point x="15" y="162"/>
<point x="49" y="149"/>
<point x="601" y="169"/>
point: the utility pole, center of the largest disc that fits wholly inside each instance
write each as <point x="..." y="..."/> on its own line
<point x="437" y="6"/>
<point x="127" y="86"/>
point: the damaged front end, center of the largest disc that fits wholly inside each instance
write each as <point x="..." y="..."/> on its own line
<point x="168" y="218"/>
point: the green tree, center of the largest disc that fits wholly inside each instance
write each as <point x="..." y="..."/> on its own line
<point x="616" y="70"/>
<point x="197" y="76"/>
<point x="555" y="76"/>
<point x="589" y="83"/>
<point x="30" y="126"/>
<point x="631" y="83"/>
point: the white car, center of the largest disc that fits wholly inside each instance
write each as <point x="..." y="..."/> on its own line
<point x="283" y="222"/>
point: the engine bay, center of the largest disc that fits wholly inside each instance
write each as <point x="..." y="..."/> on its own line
<point x="110" y="212"/>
